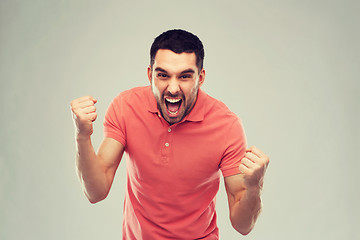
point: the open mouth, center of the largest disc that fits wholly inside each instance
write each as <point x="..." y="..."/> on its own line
<point x="173" y="105"/>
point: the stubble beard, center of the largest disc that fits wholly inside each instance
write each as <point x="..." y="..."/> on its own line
<point x="162" y="106"/>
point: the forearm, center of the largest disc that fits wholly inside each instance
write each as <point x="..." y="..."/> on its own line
<point x="90" y="171"/>
<point x="245" y="211"/>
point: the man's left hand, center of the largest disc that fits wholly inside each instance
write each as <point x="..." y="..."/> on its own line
<point x="253" y="167"/>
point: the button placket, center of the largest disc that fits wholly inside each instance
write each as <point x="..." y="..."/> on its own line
<point x="166" y="146"/>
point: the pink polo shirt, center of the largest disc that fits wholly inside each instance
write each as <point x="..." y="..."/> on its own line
<point x="173" y="171"/>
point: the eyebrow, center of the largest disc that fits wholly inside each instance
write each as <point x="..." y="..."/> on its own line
<point x="159" y="69"/>
<point x="188" y="71"/>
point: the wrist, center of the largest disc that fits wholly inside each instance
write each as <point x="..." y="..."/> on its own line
<point x="254" y="186"/>
<point x="82" y="138"/>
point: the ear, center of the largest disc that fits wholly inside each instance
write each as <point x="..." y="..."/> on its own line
<point x="201" y="77"/>
<point x="149" y="73"/>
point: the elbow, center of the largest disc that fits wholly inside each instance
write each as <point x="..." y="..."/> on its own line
<point x="243" y="226"/>
<point x="95" y="198"/>
<point x="95" y="194"/>
<point x="244" y="223"/>
<point x="243" y="230"/>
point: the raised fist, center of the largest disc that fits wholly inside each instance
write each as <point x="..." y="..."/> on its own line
<point x="84" y="113"/>
<point x="253" y="167"/>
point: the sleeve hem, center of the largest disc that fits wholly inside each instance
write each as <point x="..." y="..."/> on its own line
<point x="230" y="172"/>
<point x="116" y="137"/>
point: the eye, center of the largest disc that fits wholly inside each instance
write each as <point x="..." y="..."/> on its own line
<point x="187" y="76"/>
<point x="162" y="75"/>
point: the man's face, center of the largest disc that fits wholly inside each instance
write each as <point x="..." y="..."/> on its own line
<point x="175" y="80"/>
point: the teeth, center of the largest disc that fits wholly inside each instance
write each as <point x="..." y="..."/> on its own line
<point x="173" y="112"/>
<point x="173" y="100"/>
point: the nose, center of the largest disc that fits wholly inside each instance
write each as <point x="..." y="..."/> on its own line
<point x="173" y="86"/>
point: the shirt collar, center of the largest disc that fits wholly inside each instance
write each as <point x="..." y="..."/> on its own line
<point x="152" y="106"/>
<point x="198" y="111"/>
<point x="196" y="114"/>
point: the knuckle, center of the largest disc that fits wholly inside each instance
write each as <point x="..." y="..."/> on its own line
<point x="72" y="104"/>
<point x="83" y="117"/>
<point x="75" y="110"/>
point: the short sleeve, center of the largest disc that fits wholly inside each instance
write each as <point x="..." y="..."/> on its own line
<point x="114" y="124"/>
<point x="234" y="150"/>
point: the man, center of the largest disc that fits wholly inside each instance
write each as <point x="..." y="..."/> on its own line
<point x="177" y="138"/>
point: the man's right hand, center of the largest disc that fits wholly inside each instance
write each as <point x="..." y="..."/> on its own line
<point x="96" y="171"/>
<point x="84" y="113"/>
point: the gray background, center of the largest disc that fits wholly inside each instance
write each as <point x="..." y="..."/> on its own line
<point x="289" y="69"/>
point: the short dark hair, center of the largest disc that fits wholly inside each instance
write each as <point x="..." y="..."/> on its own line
<point x="178" y="41"/>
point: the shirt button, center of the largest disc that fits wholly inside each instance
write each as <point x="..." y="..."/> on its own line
<point x="169" y="129"/>
<point x="167" y="144"/>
